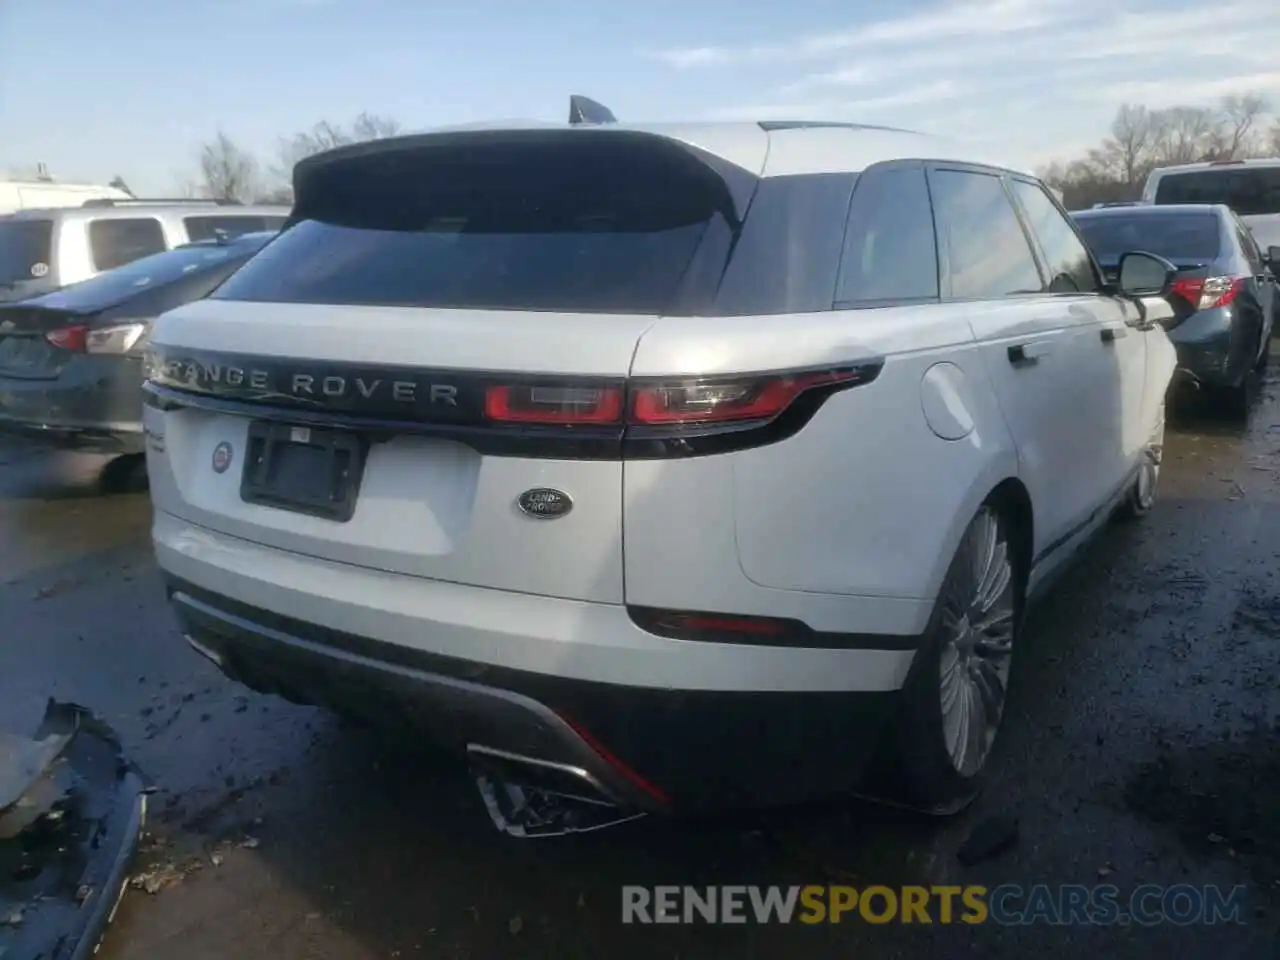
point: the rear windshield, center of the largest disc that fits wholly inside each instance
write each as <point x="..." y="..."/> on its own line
<point x="25" y="250"/>
<point x="1180" y="237"/>
<point x="581" y="230"/>
<point x="148" y="273"/>
<point x="1248" y="191"/>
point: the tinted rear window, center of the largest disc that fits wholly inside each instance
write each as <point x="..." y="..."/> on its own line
<point x="607" y="229"/>
<point x="25" y="250"/>
<point x="1179" y="237"/>
<point x="1247" y="191"/>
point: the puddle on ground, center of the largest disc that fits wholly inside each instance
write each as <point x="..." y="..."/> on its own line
<point x="1221" y="799"/>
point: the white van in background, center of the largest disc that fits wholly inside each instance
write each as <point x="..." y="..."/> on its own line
<point x="1249" y="187"/>
<point x="28" y="194"/>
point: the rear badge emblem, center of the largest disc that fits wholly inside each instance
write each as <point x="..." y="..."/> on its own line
<point x="221" y="457"/>
<point x="544" y="503"/>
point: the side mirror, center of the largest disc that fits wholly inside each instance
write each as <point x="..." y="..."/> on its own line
<point x="1273" y="256"/>
<point x="1145" y="274"/>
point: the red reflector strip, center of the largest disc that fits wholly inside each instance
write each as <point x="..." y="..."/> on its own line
<point x="74" y="338"/>
<point x="711" y="401"/>
<point x="553" y="405"/>
<point x="621" y="768"/>
<point x="697" y="623"/>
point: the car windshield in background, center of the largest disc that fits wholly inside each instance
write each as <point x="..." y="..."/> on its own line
<point x="150" y="272"/>
<point x="1250" y="191"/>
<point x="25" y="250"/>
<point x="1179" y="237"/>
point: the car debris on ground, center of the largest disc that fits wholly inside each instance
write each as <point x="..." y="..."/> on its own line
<point x="72" y="810"/>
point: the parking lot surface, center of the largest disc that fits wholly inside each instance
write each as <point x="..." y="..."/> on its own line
<point x="1142" y="746"/>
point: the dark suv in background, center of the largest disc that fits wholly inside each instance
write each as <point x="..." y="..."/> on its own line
<point x="1225" y="295"/>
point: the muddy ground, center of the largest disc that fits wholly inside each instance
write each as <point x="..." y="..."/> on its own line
<point x="1141" y="747"/>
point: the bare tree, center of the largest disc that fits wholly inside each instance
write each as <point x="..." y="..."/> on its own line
<point x="228" y="171"/>
<point x="1237" y="135"/>
<point x="326" y="135"/>
<point x="1130" y="148"/>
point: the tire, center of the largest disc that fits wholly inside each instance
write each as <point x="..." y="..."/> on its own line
<point x="1141" y="497"/>
<point x="961" y="672"/>
<point x="1236" y="401"/>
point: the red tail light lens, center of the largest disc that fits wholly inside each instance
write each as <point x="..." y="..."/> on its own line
<point x="709" y="401"/>
<point x="553" y="404"/>
<point x="74" y="338"/>
<point x="1205" y="294"/>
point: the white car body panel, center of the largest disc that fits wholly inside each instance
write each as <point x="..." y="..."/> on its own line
<point x="847" y="526"/>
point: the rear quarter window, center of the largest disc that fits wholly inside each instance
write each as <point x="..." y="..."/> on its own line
<point x="788" y="256"/>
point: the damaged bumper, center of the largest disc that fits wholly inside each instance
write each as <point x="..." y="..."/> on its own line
<point x="72" y="811"/>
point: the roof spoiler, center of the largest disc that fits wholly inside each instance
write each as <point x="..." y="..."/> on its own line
<point x="585" y="110"/>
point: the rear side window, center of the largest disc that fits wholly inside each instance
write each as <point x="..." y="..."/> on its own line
<point x="114" y="243"/>
<point x="602" y="225"/>
<point x="206" y="227"/>
<point x="890" y="250"/>
<point x="1247" y="191"/>
<point x="1068" y="259"/>
<point x="788" y="255"/>
<point x="987" y="253"/>
<point x="26" y="249"/>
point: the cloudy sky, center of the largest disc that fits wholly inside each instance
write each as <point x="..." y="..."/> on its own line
<point x="98" y="87"/>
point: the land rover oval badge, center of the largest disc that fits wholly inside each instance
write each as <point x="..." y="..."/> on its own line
<point x="544" y="503"/>
<point x="221" y="457"/>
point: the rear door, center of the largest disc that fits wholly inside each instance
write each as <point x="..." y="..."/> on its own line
<point x="1043" y="351"/>
<point x="1074" y="281"/>
<point x="425" y="374"/>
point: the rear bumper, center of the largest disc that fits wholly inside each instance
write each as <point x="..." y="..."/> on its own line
<point x="641" y="720"/>
<point x="1212" y="351"/>
<point x="94" y="404"/>
<point x="643" y="748"/>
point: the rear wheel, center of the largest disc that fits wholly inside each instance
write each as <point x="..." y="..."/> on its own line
<point x="954" y="696"/>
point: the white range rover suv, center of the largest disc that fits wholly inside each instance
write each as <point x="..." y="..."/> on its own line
<point x="659" y="466"/>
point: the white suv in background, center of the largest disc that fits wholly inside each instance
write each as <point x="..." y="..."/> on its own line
<point x="47" y="248"/>
<point x="659" y="466"/>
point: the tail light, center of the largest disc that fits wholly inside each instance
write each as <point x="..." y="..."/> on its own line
<point x="674" y="402"/>
<point x="723" y="401"/>
<point x="553" y="405"/>
<point x="1205" y="294"/>
<point x="126" y="339"/>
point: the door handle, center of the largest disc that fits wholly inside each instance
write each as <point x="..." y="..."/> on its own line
<point x="1113" y="332"/>
<point x="1031" y="352"/>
